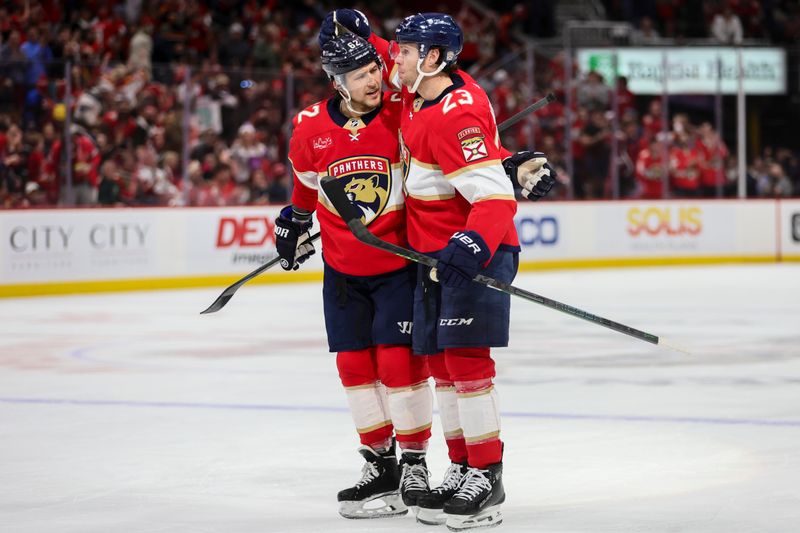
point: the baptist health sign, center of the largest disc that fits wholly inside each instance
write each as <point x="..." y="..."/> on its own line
<point x="690" y="70"/>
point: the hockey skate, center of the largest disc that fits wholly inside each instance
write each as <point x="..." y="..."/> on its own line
<point x="377" y="493"/>
<point x="431" y="505"/>
<point x="477" y="502"/>
<point x="414" y="477"/>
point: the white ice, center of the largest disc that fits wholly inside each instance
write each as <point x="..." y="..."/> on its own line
<point x="132" y="413"/>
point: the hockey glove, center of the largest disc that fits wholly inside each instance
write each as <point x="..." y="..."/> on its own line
<point x="532" y="172"/>
<point x="292" y="237"/>
<point x="350" y="19"/>
<point x="462" y="259"/>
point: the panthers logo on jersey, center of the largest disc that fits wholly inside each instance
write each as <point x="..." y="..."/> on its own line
<point x="367" y="181"/>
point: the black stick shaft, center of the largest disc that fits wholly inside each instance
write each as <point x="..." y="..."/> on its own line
<point x="228" y="293"/>
<point x="350" y="214"/>
<point x="525" y="112"/>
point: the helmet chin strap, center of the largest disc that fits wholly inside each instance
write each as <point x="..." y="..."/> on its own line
<point x="421" y="74"/>
<point x="347" y="99"/>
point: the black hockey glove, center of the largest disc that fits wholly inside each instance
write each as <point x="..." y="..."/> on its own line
<point x="352" y="20"/>
<point x="292" y="237"/>
<point x="461" y="259"/>
<point x="532" y="172"/>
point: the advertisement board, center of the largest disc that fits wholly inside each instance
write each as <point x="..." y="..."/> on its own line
<point x="233" y="240"/>
<point x="75" y="245"/>
<point x="57" y="251"/>
<point x="789" y="228"/>
<point x="689" y="70"/>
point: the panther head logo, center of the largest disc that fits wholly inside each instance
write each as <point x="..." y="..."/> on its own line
<point x="367" y="182"/>
<point x="367" y="194"/>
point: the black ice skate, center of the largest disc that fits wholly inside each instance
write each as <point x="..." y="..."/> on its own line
<point x="477" y="502"/>
<point x="414" y="477"/>
<point x="377" y="493"/>
<point x="430" y="505"/>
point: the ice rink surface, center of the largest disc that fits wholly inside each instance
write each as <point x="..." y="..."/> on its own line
<point x="132" y="413"/>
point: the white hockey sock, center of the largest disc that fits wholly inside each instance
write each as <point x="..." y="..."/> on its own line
<point x="479" y="410"/>
<point x="411" y="409"/>
<point x="367" y="407"/>
<point x="448" y="410"/>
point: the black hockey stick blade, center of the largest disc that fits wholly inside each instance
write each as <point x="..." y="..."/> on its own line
<point x="538" y="104"/>
<point x="352" y="217"/>
<point x="223" y="299"/>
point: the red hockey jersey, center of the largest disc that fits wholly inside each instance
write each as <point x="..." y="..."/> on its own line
<point x="454" y="177"/>
<point x="364" y="153"/>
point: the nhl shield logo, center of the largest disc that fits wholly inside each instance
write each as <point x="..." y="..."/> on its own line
<point x="473" y="144"/>
<point x="367" y="181"/>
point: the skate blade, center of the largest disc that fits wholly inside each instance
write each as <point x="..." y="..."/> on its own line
<point x="431" y="517"/>
<point x="489" y="517"/>
<point x="381" y="506"/>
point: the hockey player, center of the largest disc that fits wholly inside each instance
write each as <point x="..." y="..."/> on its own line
<point x="368" y="294"/>
<point x="460" y="207"/>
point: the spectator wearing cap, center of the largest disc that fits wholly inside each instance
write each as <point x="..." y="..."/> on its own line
<point x="234" y="51"/>
<point x="247" y="153"/>
<point x="140" y="51"/>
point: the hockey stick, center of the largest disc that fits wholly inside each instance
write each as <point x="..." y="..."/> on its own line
<point x="352" y="217"/>
<point x="228" y="293"/>
<point x="538" y="104"/>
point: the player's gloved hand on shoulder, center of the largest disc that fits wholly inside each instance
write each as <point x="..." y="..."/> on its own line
<point x="292" y="239"/>
<point x="351" y="19"/>
<point x="461" y="259"/>
<point x="533" y="173"/>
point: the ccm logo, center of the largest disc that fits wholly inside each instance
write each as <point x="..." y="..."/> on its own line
<point x="455" y="321"/>
<point x="796" y="227"/>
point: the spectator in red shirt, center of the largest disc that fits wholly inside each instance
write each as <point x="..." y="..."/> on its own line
<point x="652" y="121"/>
<point x="85" y="166"/>
<point x="650" y="171"/>
<point x="626" y="101"/>
<point x="684" y="167"/>
<point x="712" y="153"/>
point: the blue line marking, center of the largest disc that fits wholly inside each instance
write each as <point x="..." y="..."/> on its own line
<point x="324" y="409"/>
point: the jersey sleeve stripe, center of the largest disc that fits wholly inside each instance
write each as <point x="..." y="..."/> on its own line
<point x="496" y="197"/>
<point x="483" y="182"/>
<point x="471" y="168"/>
<point x="425" y="165"/>
<point x="309" y="179"/>
<point x="432" y="197"/>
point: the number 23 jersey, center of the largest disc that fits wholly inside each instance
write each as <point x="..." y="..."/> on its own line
<point x="454" y="176"/>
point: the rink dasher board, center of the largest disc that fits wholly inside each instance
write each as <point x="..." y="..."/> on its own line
<point x="91" y="250"/>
